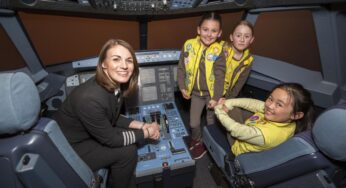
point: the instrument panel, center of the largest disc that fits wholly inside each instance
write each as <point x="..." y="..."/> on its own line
<point x="170" y="152"/>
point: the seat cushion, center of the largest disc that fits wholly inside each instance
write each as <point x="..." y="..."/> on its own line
<point x="329" y="132"/>
<point x="260" y="161"/>
<point x="19" y="102"/>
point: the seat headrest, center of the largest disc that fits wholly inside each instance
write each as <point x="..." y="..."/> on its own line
<point x="329" y="132"/>
<point x="20" y="102"/>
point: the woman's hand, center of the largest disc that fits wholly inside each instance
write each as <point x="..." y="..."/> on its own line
<point x="152" y="130"/>
<point x="185" y="94"/>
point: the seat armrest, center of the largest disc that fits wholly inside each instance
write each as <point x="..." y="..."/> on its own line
<point x="33" y="171"/>
<point x="59" y="140"/>
<point x="216" y="143"/>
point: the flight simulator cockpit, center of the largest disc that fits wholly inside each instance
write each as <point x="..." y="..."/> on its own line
<point x="50" y="47"/>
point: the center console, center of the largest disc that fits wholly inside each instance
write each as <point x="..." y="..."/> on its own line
<point x="166" y="162"/>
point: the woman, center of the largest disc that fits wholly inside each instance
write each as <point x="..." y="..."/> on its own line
<point x="91" y="121"/>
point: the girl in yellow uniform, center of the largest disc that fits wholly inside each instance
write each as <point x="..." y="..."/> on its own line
<point x="201" y="66"/>
<point x="287" y="110"/>
<point x="238" y="59"/>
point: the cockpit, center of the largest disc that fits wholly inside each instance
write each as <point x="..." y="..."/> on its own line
<point x="51" y="47"/>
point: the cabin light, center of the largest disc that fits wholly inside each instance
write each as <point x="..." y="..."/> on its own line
<point x="164" y="2"/>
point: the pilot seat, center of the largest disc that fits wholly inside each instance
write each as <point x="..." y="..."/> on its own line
<point x="33" y="150"/>
<point x="309" y="159"/>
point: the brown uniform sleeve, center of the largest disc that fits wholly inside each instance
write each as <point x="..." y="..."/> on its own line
<point x="181" y="71"/>
<point x="240" y="83"/>
<point x="219" y="72"/>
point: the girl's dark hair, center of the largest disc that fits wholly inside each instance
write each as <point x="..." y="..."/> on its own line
<point x="103" y="79"/>
<point x="301" y="102"/>
<point x="211" y="16"/>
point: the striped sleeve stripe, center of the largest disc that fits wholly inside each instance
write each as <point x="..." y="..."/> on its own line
<point x="124" y="136"/>
<point x="133" y="137"/>
<point x="129" y="137"/>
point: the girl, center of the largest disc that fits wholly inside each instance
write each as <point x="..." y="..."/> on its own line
<point x="287" y="110"/>
<point x="90" y="116"/>
<point x="202" y="64"/>
<point x="238" y="59"/>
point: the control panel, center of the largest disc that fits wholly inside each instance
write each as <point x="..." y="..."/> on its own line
<point x="137" y="5"/>
<point x="77" y="79"/>
<point x="170" y="152"/>
<point x="150" y="5"/>
<point x="157" y="56"/>
<point x="165" y="114"/>
<point x="143" y="58"/>
<point x="131" y="5"/>
<point x="177" y="4"/>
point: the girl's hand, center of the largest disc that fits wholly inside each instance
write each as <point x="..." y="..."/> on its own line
<point x="221" y="100"/>
<point x="212" y="103"/>
<point x="185" y="94"/>
<point x="224" y="108"/>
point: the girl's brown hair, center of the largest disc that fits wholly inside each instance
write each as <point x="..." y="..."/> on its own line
<point x="246" y="23"/>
